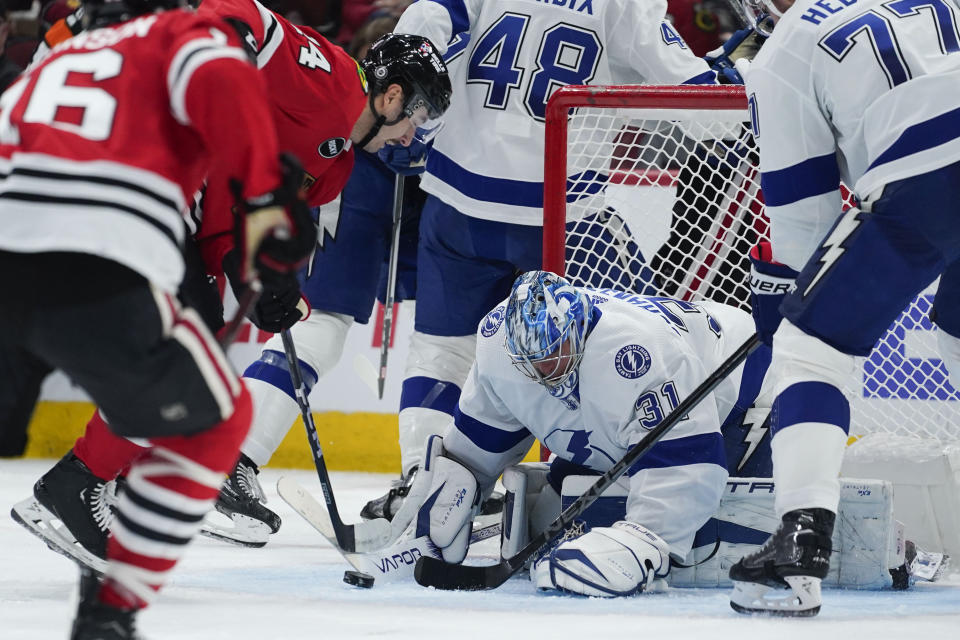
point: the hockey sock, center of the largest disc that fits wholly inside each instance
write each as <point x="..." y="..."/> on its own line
<point x="809" y="422"/>
<point x="105" y="453"/>
<point x="276" y="407"/>
<point x="169" y="491"/>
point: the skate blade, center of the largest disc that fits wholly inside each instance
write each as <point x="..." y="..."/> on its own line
<point x="237" y="529"/>
<point x="801" y="600"/>
<point x="39" y="521"/>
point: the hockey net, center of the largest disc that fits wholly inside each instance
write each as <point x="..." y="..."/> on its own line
<point x="656" y="190"/>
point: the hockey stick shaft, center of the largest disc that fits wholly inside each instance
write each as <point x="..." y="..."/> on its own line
<point x="431" y="572"/>
<point x="391" y="292"/>
<point x="344" y="533"/>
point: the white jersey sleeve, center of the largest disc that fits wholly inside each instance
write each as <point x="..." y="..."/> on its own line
<point x="439" y="20"/>
<point x="485" y="436"/>
<point x="800" y="175"/>
<point x="645" y="48"/>
<point x="863" y="92"/>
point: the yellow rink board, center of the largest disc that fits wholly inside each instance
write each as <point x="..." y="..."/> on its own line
<point x="350" y="441"/>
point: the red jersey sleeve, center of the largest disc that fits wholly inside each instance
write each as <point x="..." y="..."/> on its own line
<point x="215" y="90"/>
<point x="248" y="12"/>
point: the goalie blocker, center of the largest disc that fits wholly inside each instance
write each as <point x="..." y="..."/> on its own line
<point x="870" y="550"/>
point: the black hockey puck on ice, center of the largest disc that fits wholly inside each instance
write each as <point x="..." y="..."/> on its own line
<point x="358" y="579"/>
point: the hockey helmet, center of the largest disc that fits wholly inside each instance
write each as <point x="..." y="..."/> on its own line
<point x="547" y="321"/>
<point x="100" y="13"/>
<point x="413" y="63"/>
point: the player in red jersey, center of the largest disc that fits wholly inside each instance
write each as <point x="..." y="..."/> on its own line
<point x="101" y="147"/>
<point x="321" y="105"/>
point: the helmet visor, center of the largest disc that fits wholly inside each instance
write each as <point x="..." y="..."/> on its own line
<point x="419" y="110"/>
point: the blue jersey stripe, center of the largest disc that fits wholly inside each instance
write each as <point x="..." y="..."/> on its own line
<point x="922" y="136"/>
<point x="517" y="193"/>
<point x="488" y="438"/>
<point x="812" y="177"/>
<point x="703" y="448"/>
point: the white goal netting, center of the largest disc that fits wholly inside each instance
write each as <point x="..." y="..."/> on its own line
<point x="656" y="190"/>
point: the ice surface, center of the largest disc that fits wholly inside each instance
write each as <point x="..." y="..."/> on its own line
<point x="292" y="589"/>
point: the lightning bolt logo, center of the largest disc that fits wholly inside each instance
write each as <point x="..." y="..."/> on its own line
<point x="327" y="222"/>
<point x="756" y="429"/>
<point x="834" y="245"/>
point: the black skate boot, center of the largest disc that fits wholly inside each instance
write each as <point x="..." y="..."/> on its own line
<point x="242" y="500"/>
<point x="98" y="621"/>
<point x="782" y="578"/>
<point x="71" y="510"/>
<point x="387" y="506"/>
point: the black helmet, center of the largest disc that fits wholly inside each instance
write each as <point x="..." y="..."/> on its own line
<point x="413" y="63"/>
<point x="100" y="13"/>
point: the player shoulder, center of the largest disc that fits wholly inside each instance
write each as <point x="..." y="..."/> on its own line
<point x="624" y="343"/>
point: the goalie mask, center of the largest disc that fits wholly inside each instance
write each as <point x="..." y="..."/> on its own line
<point x="547" y="322"/>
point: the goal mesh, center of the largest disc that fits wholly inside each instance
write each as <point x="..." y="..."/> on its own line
<point x="656" y="190"/>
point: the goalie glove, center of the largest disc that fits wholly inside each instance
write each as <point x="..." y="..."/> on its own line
<point x="619" y="560"/>
<point x="770" y="282"/>
<point x="274" y="233"/>
<point x="731" y="59"/>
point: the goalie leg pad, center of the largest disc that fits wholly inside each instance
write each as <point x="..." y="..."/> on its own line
<point x="446" y="516"/>
<point x="606" y="562"/>
<point x="524" y="485"/>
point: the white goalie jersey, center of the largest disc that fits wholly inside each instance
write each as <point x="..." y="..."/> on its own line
<point x="506" y="57"/>
<point x="642" y="356"/>
<point x="854" y="77"/>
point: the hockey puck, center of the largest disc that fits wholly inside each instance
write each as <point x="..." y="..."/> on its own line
<point x="358" y="579"/>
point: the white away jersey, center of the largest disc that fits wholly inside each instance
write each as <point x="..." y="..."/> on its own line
<point x="643" y="355"/>
<point x="506" y="58"/>
<point x="859" y="90"/>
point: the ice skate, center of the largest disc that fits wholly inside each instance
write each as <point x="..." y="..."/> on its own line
<point x="387" y="505"/>
<point x="71" y="511"/>
<point x="783" y="577"/>
<point x="98" y="621"/>
<point x="241" y="517"/>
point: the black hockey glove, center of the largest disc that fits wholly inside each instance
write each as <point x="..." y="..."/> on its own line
<point x="278" y="306"/>
<point x="274" y="232"/>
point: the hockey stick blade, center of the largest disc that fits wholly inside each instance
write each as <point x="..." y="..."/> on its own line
<point x="433" y="572"/>
<point x="367" y="536"/>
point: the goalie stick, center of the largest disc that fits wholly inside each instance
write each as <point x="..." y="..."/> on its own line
<point x="369" y="535"/>
<point x="434" y="572"/>
<point x="391" y="292"/>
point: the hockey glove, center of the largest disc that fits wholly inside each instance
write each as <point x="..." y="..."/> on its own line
<point x="620" y="560"/>
<point x="407" y="161"/>
<point x="274" y="231"/>
<point x="742" y="45"/>
<point x="770" y="282"/>
<point x="280" y="304"/>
